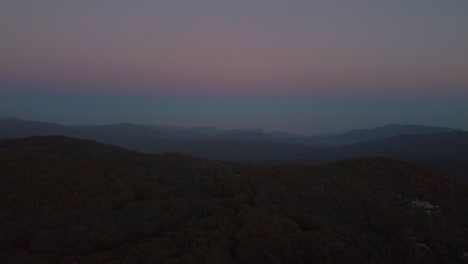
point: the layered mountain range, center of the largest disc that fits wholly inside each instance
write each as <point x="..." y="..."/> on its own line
<point x="444" y="149"/>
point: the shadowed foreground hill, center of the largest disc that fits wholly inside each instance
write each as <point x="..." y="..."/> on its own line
<point x="66" y="200"/>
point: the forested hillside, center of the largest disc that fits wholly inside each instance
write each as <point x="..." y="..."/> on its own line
<point x="65" y="200"/>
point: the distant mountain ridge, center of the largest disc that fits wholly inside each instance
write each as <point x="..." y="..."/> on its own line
<point x="360" y="135"/>
<point x="13" y="127"/>
<point x="441" y="148"/>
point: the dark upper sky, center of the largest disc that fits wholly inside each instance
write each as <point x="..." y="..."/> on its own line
<point x="291" y="65"/>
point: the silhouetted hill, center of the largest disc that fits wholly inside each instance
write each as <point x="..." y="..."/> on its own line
<point x="16" y="128"/>
<point x="120" y="134"/>
<point x="446" y="151"/>
<point x="361" y="135"/>
<point x="281" y="134"/>
<point x="66" y="200"/>
<point x="232" y="150"/>
<point x="254" y="134"/>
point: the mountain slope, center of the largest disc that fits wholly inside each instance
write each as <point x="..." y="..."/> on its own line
<point x="77" y="201"/>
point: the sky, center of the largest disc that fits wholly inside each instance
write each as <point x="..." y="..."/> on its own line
<point x="295" y="65"/>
